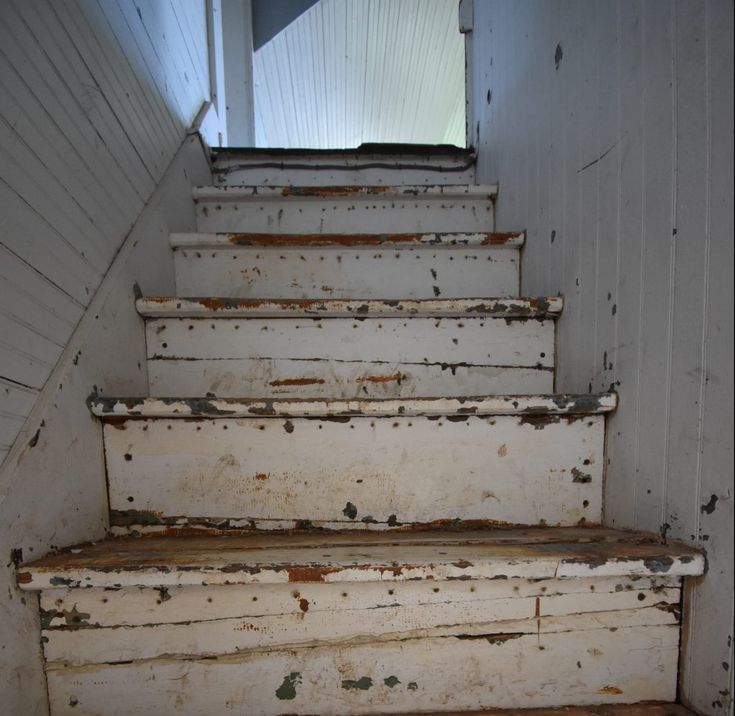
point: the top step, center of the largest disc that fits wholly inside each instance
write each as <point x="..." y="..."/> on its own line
<point x="355" y="209"/>
<point x="368" y="165"/>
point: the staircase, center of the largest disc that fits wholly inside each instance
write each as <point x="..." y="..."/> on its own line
<point x="376" y="502"/>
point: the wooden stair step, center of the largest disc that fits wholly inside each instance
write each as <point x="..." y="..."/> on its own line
<point x="347" y="265"/>
<point x="487" y="240"/>
<point x="532" y="407"/>
<point x="372" y="464"/>
<point x="373" y="164"/>
<point x="342" y="209"/>
<point x="341" y="623"/>
<point x="644" y="709"/>
<point x="347" y="349"/>
<point x="223" y="307"/>
<point x="265" y="558"/>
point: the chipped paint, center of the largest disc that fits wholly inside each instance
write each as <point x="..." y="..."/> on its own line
<point x="534" y="410"/>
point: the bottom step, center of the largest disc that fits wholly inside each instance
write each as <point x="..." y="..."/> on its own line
<point x="361" y="623"/>
<point x="648" y="709"/>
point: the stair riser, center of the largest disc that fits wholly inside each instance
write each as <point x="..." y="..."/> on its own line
<point x="357" y="471"/>
<point x="340" y="170"/>
<point x="199" y="637"/>
<point x="349" y="357"/>
<point x="339" y="272"/>
<point x="270" y="176"/>
<point x="309" y="379"/>
<point x="347" y="214"/>
<point x="587" y="666"/>
<point x="64" y="609"/>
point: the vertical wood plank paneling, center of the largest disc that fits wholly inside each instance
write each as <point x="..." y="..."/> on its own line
<point x="651" y="224"/>
<point x="352" y="71"/>
<point x="690" y="238"/>
<point x="606" y="221"/>
<point x="654" y="339"/>
<point x="709" y="659"/>
<point x="620" y="500"/>
<point x="94" y="101"/>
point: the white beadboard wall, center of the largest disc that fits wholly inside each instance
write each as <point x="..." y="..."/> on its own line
<point x="609" y="127"/>
<point x="352" y="71"/>
<point x="95" y="98"/>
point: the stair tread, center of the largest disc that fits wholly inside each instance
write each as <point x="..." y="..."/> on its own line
<point x="524" y="405"/>
<point x="433" y="240"/>
<point x="223" y="307"/>
<point x="258" y="558"/>
<point x="407" y="192"/>
<point x="645" y="709"/>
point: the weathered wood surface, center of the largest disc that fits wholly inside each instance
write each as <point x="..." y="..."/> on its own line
<point x="538" y="408"/>
<point x="346" y="470"/>
<point x="640" y="709"/>
<point x="138" y="606"/>
<point x="380" y="266"/>
<point x="349" y="168"/>
<point x="483" y="240"/>
<point x="324" y="378"/>
<point x="330" y="557"/>
<point x="349" y="357"/>
<point x="287" y="209"/>
<point x="218" y="307"/>
<point x="594" y="666"/>
<point x="385" y="622"/>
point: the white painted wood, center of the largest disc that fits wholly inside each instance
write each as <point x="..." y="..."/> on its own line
<point x="349" y="358"/>
<point x="385" y="622"/>
<point x="408" y="676"/>
<point x="349" y="72"/>
<point x="404" y="469"/>
<point x="138" y="606"/>
<point x="237" y="59"/>
<point x="218" y="308"/>
<point x="467" y="208"/>
<point x="360" y="557"/>
<point x="307" y="378"/>
<point x="41" y="506"/>
<point x="624" y="155"/>
<point x="508" y="240"/>
<point x="539" y="409"/>
<point x="346" y="168"/>
<point x="85" y="137"/>
<point x="381" y="272"/>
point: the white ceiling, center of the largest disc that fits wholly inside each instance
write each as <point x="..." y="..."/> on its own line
<point x="352" y="71"/>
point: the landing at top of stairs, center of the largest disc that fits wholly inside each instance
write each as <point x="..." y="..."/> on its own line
<point x="274" y="558"/>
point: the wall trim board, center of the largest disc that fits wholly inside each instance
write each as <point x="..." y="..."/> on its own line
<point x="52" y="483"/>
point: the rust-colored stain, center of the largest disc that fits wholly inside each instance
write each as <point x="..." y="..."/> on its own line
<point x="261" y="476"/>
<point x="609" y="690"/>
<point x="499" y="238"/>
<point x="297" y="381"/>
<point x="321" y="239"/>
<point x="24" y="577"/>
<point x="309" y="573"/>
<point x="383" y="378"/>
<point x="304" y="605"/>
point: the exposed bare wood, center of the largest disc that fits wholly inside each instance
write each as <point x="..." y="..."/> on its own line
<point x="361" y="557"/>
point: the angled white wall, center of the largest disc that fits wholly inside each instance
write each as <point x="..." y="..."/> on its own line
<point x="95" y="98"/>
<point x="95" y="101"/>
<point x="609" y="127"/>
